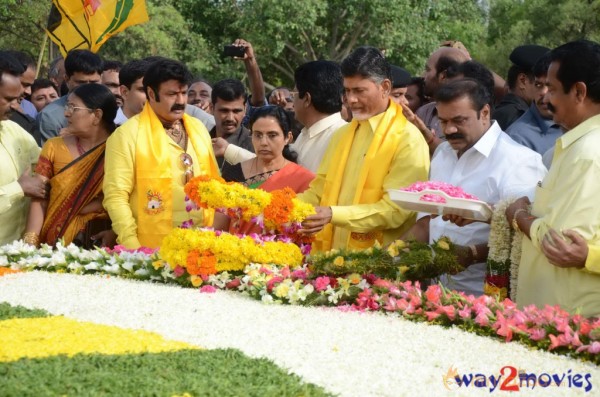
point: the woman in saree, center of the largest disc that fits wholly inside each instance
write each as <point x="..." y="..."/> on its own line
<point x="74" y="165"/>
<point x="274" y="166"/>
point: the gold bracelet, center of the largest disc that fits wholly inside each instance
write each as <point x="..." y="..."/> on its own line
<point x="31" y="238"/>
<point x="514" y="223"/>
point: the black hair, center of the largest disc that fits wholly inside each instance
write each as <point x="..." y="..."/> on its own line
<point x="540" y="69"/>
<point x="470" y="88"/>
<point x="164" y="70"/>
<point x="367" y="62"/>
<point x="132" y="71"/>
<point x="285" y="121"/>
<point x="112" y="65"/>
<point x="228" y="90"/>
<point x="324" y="82"/>
<point x="513" y="74"/>
<point x="10" y="65"/>
<point x="579" y="61"/>
<point x="24" y="58"/>
<point x="98" y="96"/>
<point x="420" y="83"/>
<point x="38" y="84"/>
<point x="443" y="63"/>
<point x="83" y="61"/>
<point x="476" y="71"/>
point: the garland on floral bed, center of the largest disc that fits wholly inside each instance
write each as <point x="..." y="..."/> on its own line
<point x="504" y="255"/>
<point x="400" y="260"/>
<point x="550" y="328"/>
<point x="202" y="252"/>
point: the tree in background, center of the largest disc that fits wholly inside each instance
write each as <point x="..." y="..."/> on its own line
<point x="286" y="33"/>
<point x="167" y="34"/>
<point x="544" y="22"/>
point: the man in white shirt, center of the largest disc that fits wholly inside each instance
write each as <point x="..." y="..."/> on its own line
<point x="317" y="103"/>
<point x="481" y="159"/>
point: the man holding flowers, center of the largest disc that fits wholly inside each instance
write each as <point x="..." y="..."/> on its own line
<point x="560" y="261"/>
<point x="377" y="151"/>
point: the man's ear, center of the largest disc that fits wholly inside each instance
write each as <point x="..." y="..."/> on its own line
<point x="441" y="76"/>
<point x="485" y="111"/>
<point x="386" y="84"/>
<point x="151" y="94"/>
<point x="522" y="80"/>
<point x="307" y="99"/>
<point x="123" y="90"/>
<point x="580" y="91"/>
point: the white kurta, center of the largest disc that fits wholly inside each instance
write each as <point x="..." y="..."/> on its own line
<point x="494" y="169"/>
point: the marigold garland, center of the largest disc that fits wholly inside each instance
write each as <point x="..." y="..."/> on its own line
<point x="278" y="210"/>
<point x="204" y="251"/>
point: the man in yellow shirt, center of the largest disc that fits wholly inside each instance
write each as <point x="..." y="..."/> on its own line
<point x="151" y="157"/>
<point x="18" y="151"/>
<point x="377" y="151"/>
<point x="565" y="215"/>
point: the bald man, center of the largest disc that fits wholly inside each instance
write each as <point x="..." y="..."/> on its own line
<point x="435" y="76"/>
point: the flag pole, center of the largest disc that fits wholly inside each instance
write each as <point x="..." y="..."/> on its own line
<point x="41" y="56"/>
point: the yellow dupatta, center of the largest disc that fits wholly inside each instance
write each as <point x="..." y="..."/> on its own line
<point x="376" y="165"/>
<point x="154" y="174"/>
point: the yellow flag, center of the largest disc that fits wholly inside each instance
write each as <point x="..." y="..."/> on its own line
<point x="87" y="24"/>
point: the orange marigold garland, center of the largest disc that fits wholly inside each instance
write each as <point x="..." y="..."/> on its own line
<point x="277" y="211"/>
<point x="201" y="263"/>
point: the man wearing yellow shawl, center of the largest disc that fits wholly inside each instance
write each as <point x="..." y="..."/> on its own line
<point x="151" y="157"/>
<point x="377" y="151"/>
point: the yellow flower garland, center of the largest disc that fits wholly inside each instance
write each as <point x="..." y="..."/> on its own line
<point x="281" y="204"/>
<point x="231" y="252"/>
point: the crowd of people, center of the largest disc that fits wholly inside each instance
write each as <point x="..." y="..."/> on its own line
<point x="98" y="153"/>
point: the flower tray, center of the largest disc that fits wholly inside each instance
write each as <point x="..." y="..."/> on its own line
<point x="440" y="203"/>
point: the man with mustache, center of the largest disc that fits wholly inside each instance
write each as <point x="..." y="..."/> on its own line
<point x="482" y="160"/>
<point x="151" y="157"/>
<point x="535" y="129"/>
<point x="229" y="108"/>
<point x="560" y="262"/>
<point x="110" y="78"/>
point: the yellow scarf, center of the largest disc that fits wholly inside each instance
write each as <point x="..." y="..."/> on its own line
<point x="154" y="174"/>
<point x="376" y="165"/>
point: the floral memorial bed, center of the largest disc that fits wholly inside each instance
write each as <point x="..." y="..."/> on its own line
<point x="341" y="322"/>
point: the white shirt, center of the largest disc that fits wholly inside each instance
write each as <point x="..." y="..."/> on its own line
<point x="495" y="168"/>
<point x="120" y="118"/>
<point x="310" y="145"/>
<point x="312" y="142"/>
